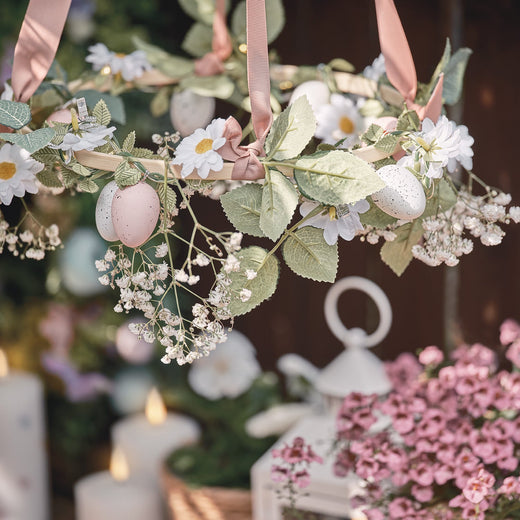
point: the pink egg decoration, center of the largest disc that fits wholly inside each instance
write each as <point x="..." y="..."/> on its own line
<point x="60" y="116"/>
<point x="135" y="211"/>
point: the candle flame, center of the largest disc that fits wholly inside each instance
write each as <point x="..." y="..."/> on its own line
<point x="119" y="465"/>
<point x="4" y="365"/>
<point x="155" y="410"/>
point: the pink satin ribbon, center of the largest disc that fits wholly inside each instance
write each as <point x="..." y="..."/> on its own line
<point x="212" y="62"/>
<point x="399" y="64"/>
<point x="37" y="44"/>
<point x="247" y="166"/>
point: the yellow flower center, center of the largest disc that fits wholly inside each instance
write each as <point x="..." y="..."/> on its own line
<point x="346" y="125"/>
<point x="332" y="213"/>
<point x="120" y="54"/>
<point x="7" y="170"/>
<point x="204" y="146"/>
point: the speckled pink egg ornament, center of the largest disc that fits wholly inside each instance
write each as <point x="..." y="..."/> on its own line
<point x="135" y="211"/>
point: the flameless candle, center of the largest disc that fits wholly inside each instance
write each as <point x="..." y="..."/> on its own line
<point x="23" y="463"/>
<point x="112" y="494"/>
<point x="147" y="439"/>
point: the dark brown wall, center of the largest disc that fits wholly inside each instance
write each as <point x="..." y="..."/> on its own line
<point x="319" y="30"/>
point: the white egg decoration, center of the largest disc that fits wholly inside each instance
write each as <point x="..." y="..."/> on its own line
<point x="135" y="211"/>
<point x="403" y="196"/>
<point x="317" y="93"/>
<point x="104" y="222"/>
<point x="189" y="111"/>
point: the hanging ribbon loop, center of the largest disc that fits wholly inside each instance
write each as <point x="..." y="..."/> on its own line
<point x="212" y="62"/>
<point x="399" y="64"/>
<point x="37" y="44"/>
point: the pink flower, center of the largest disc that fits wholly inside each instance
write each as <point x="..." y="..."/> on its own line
<point x="513" y="353"/>
<point x="431" y="356"/>
<point x="510" y="486"/>
<point x="422" y="493"/>
<point x="374" y="514"/>
<point x="301" y="478"/>
<point x="279" y="474"/>
<point x="422" y="473"/>
<point x="400" y="507"/>
<point x="509" y="331"/>
<point x="403" y="421"/>
<point x="477" y="488"/>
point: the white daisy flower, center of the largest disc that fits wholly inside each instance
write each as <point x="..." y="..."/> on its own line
<point x="88" y="136"/>
<point x="17" y="172"/>
<point x="198" y="150"/>
<point x="431" y="149"/>
<point x="376" y="70"/>
<point x="130" y="66"/>
<point x="228" y="371"/>
<point x="339" y="120"/>
<point x="346" y="225"/>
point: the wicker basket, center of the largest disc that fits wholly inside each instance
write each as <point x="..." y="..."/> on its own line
<point x="205" y="503"/>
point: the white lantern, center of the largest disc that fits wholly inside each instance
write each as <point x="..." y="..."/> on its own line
<point x="354" y="370"/>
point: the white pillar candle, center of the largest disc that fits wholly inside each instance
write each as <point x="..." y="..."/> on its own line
<point x="147" y="439"/>
<point x="23" y="462"/>
<point x="111" y="495"/>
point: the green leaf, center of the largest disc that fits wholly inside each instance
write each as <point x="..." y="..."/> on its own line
<point x="201" y="10"/>
<point x="172" y="66"/>
<point x="13" y="114"/>
<point x="408" y="120"/>
<point x="372" y="134"/>
<point x="398" y="253"/>
<point x="291" y="131"/>
<point x="88" y="185"/>
<point x="80" y="169"/>
<point x="60" y="129"/>
<point x="70" y="178"/>
<point x="198" y="40"/>
<point x="443" y="199"/>
<point x="308" y="255"/>
<point x="160" y="103"/>
<point x="32" y="141"/>
<point x="167" y="196"/>
<point x="114" y="103"/>
<point x="126" y="175"/>
<point x="129" y="142"/>
<point x="142" y="153"/>
<point x="336" y="177"/>
<point x="243" y="206"/>
<point x="341" y="65"/>
<point x="47" y="156"/>
<point x="279" y="200"/>
<point x="387" y="143"/>
<point x="262" y="286"/>
<point x="372" y="108"/>
<point x="49" y="178"/>
<point x="275" y="17"/>
<point x="101" y="113"/>
<point x="219" y="86"/>
<point x="441" y="66"/>
<point x="376" y="218"/>
<point x="454" y="76"/>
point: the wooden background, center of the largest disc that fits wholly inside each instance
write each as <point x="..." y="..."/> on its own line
<point x="319" y="30"/>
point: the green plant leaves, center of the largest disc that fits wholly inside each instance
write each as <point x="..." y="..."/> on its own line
<point x="443" y="199"/>
<point x="102" y="113"/>
<point x="279" y="200"/>
<point x="243" y="206"/>
<point x="126" y="175"/>
<point x="198" y="40"/>
<point x="114" y="103"/>
<point x="398" y="253"/>
<point x="167" y="196"/>
<point x="202" y="10"/>
<point x="336" y="177"/>
<point x="275" y="17"/>
<point x="376" y="218"/>
<point x="210" y="86"/>
<point x="129" y="142"/>
<point x="49" y="178"/>
<point x="172" y="66"/>
<point x="307" y="254"/>
<point x="13" y="114"/>
<point x="291" y="131"/>
<point x="88" y="185"/>
<point x="262" y="286"/>
<point x="32" y="141"/>
<point x="454" y="76"/>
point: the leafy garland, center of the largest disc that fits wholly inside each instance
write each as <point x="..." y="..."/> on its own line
<point x="339" y="191"/>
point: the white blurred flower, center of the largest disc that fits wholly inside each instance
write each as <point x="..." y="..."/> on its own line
<point x="17" y="172"/>
<point x="376" y="70"/>
<point x="276" y="420"/>
<point x="8" y="93"/>
<point x="294" y="365"/>
<point x="228" y="371"/>
<point x="130" y="66"/>
<point x="464" y="152"/>
<point x="339" y="120"/>
<point x="89" y="136"/>
<point x="198" y="150"/>
<point x="346" y="226"/>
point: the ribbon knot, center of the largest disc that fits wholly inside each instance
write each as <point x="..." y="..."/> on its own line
<point x="247" y="165"/>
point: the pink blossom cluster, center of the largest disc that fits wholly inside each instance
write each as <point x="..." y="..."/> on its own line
<point x="452" y="437"/>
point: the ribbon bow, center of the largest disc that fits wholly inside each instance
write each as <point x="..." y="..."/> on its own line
<point x="212" y="62"/>
<point x="247" y="165"/>
<point x="399" y="64"/>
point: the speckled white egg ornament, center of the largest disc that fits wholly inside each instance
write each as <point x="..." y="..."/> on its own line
<point x="317" y="93"/>
<point x="104" y="222"/>
<point x="135" y="211"/>
<point x="403" y="197"/>
<point x="189" y="111"/>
